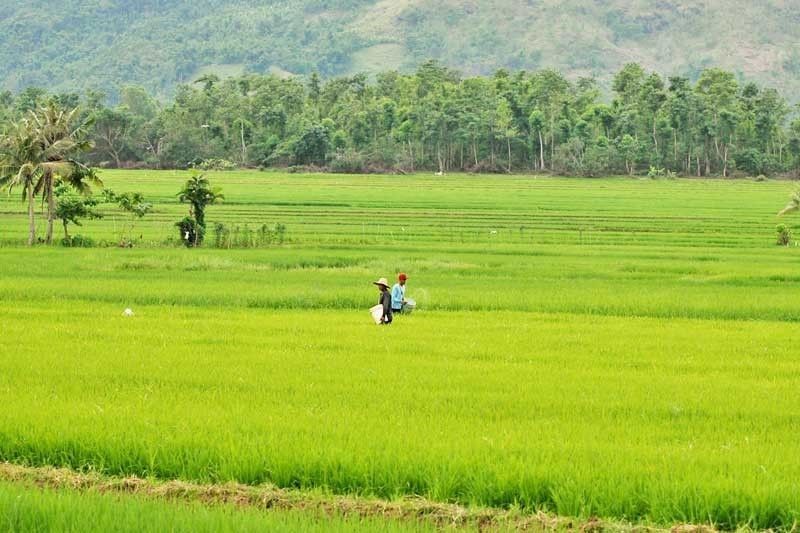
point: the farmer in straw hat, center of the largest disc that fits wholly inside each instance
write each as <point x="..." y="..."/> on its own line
<point x="385" y="300"/>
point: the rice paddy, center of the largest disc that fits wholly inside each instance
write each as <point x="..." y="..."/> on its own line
<point x="612" y="348"/>
<point x="27" y="508"/>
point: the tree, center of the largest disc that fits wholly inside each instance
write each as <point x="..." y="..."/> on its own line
<point x="680" y="109"/>
<point x="58" y="141"/>
<point x="72" y="207"/>
<point x="653" y="97"/>
<point x="38" y="155"/>
<point x="30" y="99"/>
<point x="199" y="194"/>
<point x="313" y="145"/>
<point x="505" y="127"/>
<point x="536" y="121"/>
<point x="794" y="145"/>
<point x="18" y="153"/>
<point x="718" y="90"/>
<point x="208" y="81"/>
<point x="135" y="205"/>
<point x="629" y="148"/>
<point x="434" y="119"/>
<point x="550" y="93"/>
<point x="628" y="83"/>
<point x="112" y="128"/>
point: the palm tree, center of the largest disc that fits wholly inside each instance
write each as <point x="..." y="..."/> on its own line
<point x="198" y="193"/>
<point x="59" y="141"/>
<point x="18" y="150"/>
<point x="793" y="205"/>
<point x="38" y="154"/>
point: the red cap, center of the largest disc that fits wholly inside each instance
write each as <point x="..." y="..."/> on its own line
<point x="402" y="277"/>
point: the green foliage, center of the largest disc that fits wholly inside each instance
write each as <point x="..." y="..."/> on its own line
<point x="216" y="164"/>
<point x="793" y="205"/>
<point x="161" y="45"/>
<point x="190" y="232"/>
<point x="784" y="235"/>
<point x="71" y="207"/>
<point x="312" y="146"/>
<point x="38" y="154"/>
<point x="244" y="237"/>
<point x="78" y="241"/>
<point x="199" y="194"/>
<point x="25" y="507"/>
<point x="435" y="119"/>
<point x="136" y="207"/>
<point x="134" y="204"/>
<point x="348" y="162"/>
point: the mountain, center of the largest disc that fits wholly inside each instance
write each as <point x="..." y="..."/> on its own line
<point x="74" y="45"/>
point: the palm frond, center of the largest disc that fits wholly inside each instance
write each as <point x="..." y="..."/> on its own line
<point x="793" y="205"/>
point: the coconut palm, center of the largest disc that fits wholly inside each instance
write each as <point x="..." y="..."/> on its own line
<point x="59" y="142"/>
<point x="38" y="154"/>
<point x="18" y="150"/>
<point x="793" y="205"/>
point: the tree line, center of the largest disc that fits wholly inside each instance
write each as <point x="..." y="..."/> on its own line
<point x="434" y="119"/>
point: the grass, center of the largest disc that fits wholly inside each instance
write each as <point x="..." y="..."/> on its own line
<point x="25" y="508"/>
<point x="638" y="374"/>
<point x="406" y="514"/>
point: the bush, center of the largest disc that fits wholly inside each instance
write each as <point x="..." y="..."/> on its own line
<point x="784" y="235"/>
<point x="486" y="167"/>
<point x="222" y="235"/>
<point x="569" y="158"/>
<point x="215" y="164"/>
<point x="754" y="162"/>
<point x="190" y="232"/>
<point x="600" y="159"/>
<point x="348" y="162"/>
<point x="78" y="241"/>
<point x="305" y="169"/>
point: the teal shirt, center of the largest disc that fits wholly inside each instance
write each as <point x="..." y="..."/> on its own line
<point x="398" y="295"/>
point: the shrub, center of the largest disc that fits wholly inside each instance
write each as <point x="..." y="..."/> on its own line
<point x="215" y="164"/>
<point x="190" y="232"/>
<point x="485" y="167"/>
<point x="305" y="169"/>
<point x="348" y="162"/>
<point x="222" y="236"/>
<point x="784" y="235"/>
<point x="78" y="241"/>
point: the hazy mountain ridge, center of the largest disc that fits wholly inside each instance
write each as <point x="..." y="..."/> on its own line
<point x="76" y="45"/>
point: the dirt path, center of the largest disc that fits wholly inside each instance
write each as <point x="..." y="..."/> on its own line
<point x="445" y="516"/>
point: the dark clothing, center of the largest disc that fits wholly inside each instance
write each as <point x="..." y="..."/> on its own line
<point x="385" y="300"/>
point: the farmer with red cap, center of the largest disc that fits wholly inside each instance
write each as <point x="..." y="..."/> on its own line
<point x="399" y="294"/>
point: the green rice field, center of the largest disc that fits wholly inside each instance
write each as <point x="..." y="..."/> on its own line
<point x="615" y="348"/>
<point x="25" y="508"/>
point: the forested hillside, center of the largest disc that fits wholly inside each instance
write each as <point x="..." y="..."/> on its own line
<point x="435" y="119"/>
<point x="69" y="45"/>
